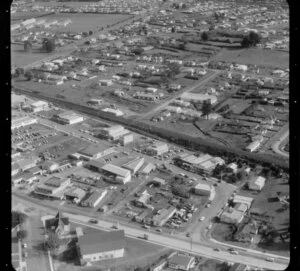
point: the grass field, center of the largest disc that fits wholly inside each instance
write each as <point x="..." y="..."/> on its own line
<point x="86" y="22"/>
<point x="255" y="56"/>
<point x="137" y="253"/>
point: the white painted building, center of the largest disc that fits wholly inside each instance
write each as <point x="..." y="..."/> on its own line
<point x="257" y="184"/>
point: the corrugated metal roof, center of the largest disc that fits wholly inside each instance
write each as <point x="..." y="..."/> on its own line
<point x="116" y="170"/>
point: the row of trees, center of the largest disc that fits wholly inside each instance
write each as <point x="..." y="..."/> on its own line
<point x="48" y="45"/>
<point x="17" y="218"/>
<point x="250" y="40"/>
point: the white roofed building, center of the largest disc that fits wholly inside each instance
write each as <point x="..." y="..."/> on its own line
<point x="116" y="174"/>
<point x="257" y="184"/>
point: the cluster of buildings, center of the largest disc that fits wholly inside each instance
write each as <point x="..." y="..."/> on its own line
<point x="235" y="214"/>
<point x="204" y="163"/>
<point x="39" y="23"/>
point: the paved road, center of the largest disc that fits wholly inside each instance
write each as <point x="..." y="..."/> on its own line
<point x="183" y="244"/>
<point x="189" y="89"/>
<point x="37" y="259"/>
<point x="188" y="246"/>
<point x="278" y="145"/>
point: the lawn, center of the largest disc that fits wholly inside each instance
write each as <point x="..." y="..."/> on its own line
<point x="137" y="253"/>
<point x="255" y="56"/>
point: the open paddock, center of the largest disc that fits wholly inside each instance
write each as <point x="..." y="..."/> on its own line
<point x="255" y="56"/>
<point x="84" y="22"/>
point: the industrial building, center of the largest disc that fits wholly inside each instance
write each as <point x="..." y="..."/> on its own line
<point x="158" y="148"/>
<point x="203" y="189"/>
<point x="53" y="187"/>
<point x="232" y="216"/>
<point x="142" y="200"/>
<point x="68" y="118"/>
<point x="126" y="139"/>
<point x="22" y="121"/>
<point x="116" y="112"/>
<point x="38" y="106"/>
<point x="257" y="184"/>
<point x="134" y="165"/>
<point x="113" y="132"/>
<point x="198" y="97"/>
<point x="95" y="151"/>
<point x="50" y="166"/>
<point x="27" y="163"/>
<point x="163" y="216"/>
<point x="75" y="194"/>
<point x="94" y="198"/>
<point x="204" y="163"/>
<point x="101" y="246"/>
<point x="148" y="168"/>
<point x="116" y="174"/>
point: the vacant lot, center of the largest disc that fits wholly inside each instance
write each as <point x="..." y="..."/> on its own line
<point x="86" y="21"/>
<point x="255" y="56"/>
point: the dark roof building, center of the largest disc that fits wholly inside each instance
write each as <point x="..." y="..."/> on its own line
<point x="101" y="245"/>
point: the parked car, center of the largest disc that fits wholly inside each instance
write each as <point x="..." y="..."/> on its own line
<point x="269" y="259"/>
<point x="201" y="218"/>
<point x="94" y="221"/>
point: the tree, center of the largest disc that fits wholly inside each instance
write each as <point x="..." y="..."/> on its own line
<point x="173" y="29"/>
<point x="28" y="75"/>
<point x="17" y="218"/>
<point x="254" y="38"/>
<point x="22" y="234"/>
<point x="181" y="191"/>
<point x="205" y="36"/>
<point x="245" y="43"/>
<point x="19" y="72"/>
<point x="90" y="32"/>
<point x="206" y="108"/>
<point x="27" y="46"/>
<point x="48" y="45"/>
<point x="53" y="242"/>
<point x="250" y="40"/>
<point x="241" y="175"/>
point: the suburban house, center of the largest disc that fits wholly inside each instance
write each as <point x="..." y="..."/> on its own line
<point x="181" y="262"/>
<point x="257" y="184"/>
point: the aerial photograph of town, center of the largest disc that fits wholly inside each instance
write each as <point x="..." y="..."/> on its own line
<point x="150" y="135"/>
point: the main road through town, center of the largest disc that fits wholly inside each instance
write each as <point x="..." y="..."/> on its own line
<point x="277" y="147"/>
<point x="203" y="248"/>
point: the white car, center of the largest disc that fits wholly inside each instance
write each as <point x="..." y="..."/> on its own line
<point x="201" y="218"/>
<point x="25" y="245"/>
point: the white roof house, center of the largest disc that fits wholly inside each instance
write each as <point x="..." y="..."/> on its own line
<point x="241" y="199"/>
<point x="257" y="184"/>
<point x="253" y="146"/>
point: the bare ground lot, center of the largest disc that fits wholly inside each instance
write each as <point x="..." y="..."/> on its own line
<point x="255" y="56"/>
